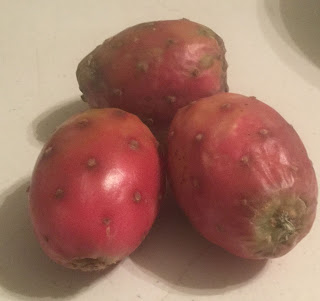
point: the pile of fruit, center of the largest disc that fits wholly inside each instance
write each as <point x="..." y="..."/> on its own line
<point x="160" y="108"/>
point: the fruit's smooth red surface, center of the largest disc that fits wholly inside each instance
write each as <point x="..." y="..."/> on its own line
<point x="153" y="69"/>
<point x="95" y="189"/>
<point x="242" y="175"/>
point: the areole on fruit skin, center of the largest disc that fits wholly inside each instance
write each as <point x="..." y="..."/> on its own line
<point x="242" y="175"/>
<point x="153" y="69"/>
<point x="95" y="189"/>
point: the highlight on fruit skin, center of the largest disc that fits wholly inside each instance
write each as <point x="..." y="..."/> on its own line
<point x="242" y="175"/>
<point x="153" y="69"/>
<point x="95" y="189"/>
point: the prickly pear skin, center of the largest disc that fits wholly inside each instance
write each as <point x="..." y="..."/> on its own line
<point x="95" y="189"/>
<point x="242" y="175"/>
<point x="153" y="69"/>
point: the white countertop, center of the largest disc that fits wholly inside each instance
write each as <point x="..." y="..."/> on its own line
<point x="273" y="51"/>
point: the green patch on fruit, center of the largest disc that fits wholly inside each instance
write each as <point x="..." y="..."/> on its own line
<point x="154" y="53"/>
<point x="207" y="61"/>
<point x="278" y="224"/>
<point x="207" y="32"/>
<point x="116" y="44"/>
<point x="87" y="71"/>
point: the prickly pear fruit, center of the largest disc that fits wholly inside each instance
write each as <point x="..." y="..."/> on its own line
<point x="242" y="175"/>
<point x="153" y="69"/>
<point x="95" y="189"/>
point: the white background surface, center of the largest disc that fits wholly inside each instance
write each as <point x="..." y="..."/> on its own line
<point x="273" y="52"/>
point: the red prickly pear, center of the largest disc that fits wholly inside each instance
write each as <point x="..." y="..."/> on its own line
<point x="153" y="69"/>
<point x="95" y="189"/>
<point x="242" y="175"/>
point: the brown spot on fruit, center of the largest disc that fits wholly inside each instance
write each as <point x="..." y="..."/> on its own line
<point x="170" y="42"/>
<point x="134" y="144"/>
<point x="195" y="73"/>
<point x="117" y="92"/>
<point x="137" y="197"/>
<point x="46" y="238"/>
<point x="106" y="221"/>
<point x="142" y="67"/>
<point x="91" y="162"/>
<point x="170" y="99"/>
<point x="28" y="189"/>
<point x="59" y="193"/>
<point x="83" y="123"/>
<point x="199" y="137"/>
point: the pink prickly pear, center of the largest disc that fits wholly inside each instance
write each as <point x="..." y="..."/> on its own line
<point x="153" y="69"/>
<point x="95" y="189"/>
<point x="242" y="175"/>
